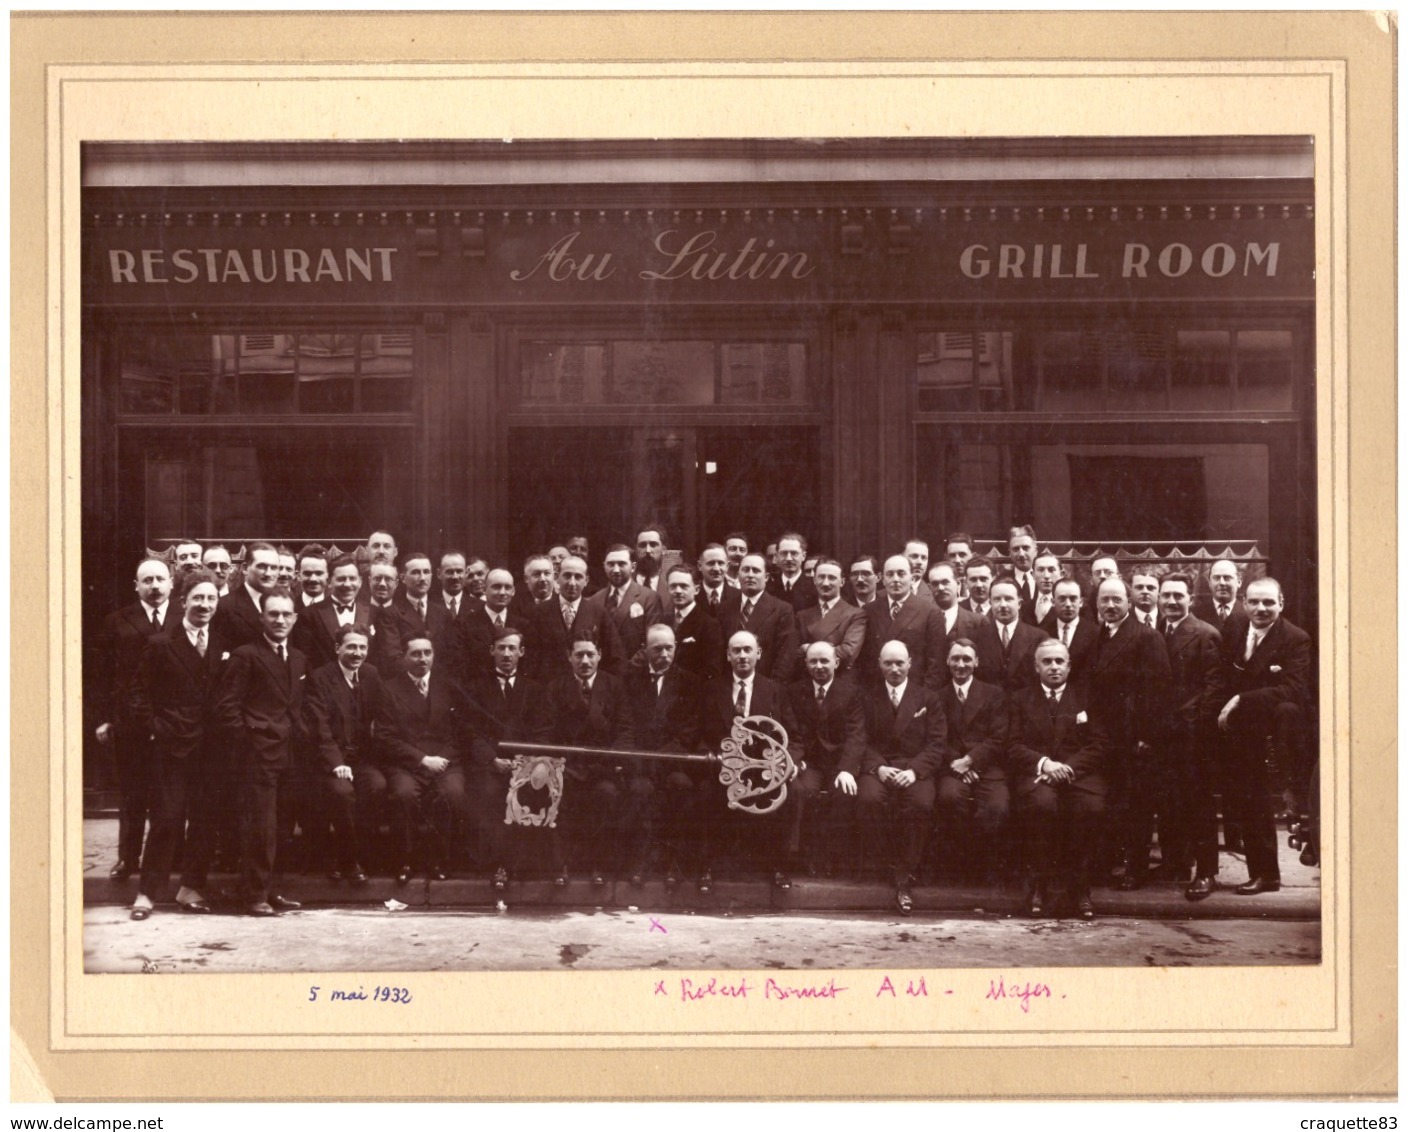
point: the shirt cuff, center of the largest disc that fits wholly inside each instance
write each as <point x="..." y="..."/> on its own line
<point x="1041" y="764"/>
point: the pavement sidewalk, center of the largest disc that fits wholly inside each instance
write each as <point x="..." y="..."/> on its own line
<point x="1298" y="899"/>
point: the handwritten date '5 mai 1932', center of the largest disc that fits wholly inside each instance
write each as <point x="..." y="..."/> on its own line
<point x="1021" y="993"/>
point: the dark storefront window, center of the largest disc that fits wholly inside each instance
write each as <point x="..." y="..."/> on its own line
<point x="1124" y="368"/>
<point x="266" y="373"/>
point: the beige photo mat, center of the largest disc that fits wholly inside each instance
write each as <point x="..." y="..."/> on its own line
<point x="1316" y="1030"/>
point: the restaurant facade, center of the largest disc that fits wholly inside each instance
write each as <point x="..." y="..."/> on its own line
<point x="494" y="346"/>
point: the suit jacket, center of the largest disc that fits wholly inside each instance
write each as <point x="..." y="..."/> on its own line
<point x="1081" y="645"/>
<point x="802" y="594"/>
<point x="259" y="703"/>
<point x="1278" y="672"/>
<point x="1128" y="684"/>
<point x="729" y="599"/>
<point x="1198" y="687"/>
<point x="340" y="724"/>
<point x="470" y="639"/>
<point x="774" y="623"/>
<point x="769" y="698"/>
<point x="410" y="726"/>
<point x="548" y="642"/>
<point x="1033" y="734"/>
<point x="699" y="644"/>
<point x="1027" y="613"/>
<point x="497" y="716"/>
<point x="120" y="647"/>
<point x="843" y="626"/>
<point x="833" y="735"/>
<point x="1205" y="609"/>
<point x="407" y="624"/>
<point x="314" y="631"/>
<point x="669" y="720"/>
<point x="172" y="692"/>
<point x="920" y="628"/>
<point x="604" y="721"/>
<point x="630" y="625"/>
<point x="978" y="727"/>
<point x="967" y="603"/>
<point x="966" y="623"/>
<point x="238" y="618"/>
<point x="1018" y="669"/>
<point x="914" y="737"/>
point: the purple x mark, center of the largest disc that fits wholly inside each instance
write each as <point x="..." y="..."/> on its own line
<point x="654" y="924"/>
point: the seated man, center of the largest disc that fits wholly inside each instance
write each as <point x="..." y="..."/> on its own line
<point x="906" y="744"/>
<point x="1055" y="760"/>
<point x="831" y="728"/>
<point x="972" y="788"/>
<point x="339" y="708"/>
<point x="421" y="724"/>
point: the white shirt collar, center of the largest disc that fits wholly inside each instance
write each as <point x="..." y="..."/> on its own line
<point x="891" y="689"/>
<point x="255" y="595"/>
<point x="965" y="686"/>
<point x="686" y="611"/>
<point x="346" y="673"/>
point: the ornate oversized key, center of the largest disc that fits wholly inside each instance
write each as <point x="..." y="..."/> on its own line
<point x="756" y="765"/>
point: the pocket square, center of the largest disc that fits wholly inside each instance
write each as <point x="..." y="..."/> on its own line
<point x="922" y="711"/>
<point x="637" y="610"/>
<point x="1275" y="668"/>
<point x="687" y="641"/>
<point x="1080" y="717"/>
<point x="224" y="656"/>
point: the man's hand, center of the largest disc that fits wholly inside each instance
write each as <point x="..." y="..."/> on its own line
<point x="1227" y="710"/>
<point x="1058" y="772"/>
<point x="504" y="765"/>
<point x="104" y="732"/>
<point x="905" y="779"/>
<point x="845" y="782"/>
<point x="886" y="774"/>
<point x="343" y="772"/>
<point x="962" y="766"/>
<point x="434" y="763"/>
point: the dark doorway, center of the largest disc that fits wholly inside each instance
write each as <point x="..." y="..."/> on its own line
<point x="1138" y="498"/>
<point x="762" y="481"/>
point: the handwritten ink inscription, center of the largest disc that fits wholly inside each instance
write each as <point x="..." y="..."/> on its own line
<point x="396" y="995"/>
<point x="1021" y="993"/>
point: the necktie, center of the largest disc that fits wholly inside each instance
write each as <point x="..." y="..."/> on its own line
<point x="200" y="641"/>
<point x="787" y="585"/>
<point x="895" y="697"/>
<point x="423" y="685"/>
<point x="156" y="621"/>
<point x="499" y="621"/>
<point x="825" y="608"/>
<point x="420" y="607"/>
<point x="659" y="684"/>
<point x="713" y="599"/>
<point x="454" y="607"/>
<point x="745" y="612"/>
<point x="1110" y="632"/>
<point x="356" y="680"/>
<point x="895" y="607"/>
<point x="586" y="691"/>
<point x="1169" y="627"/>
<point x="1066" y="633"/>
<point x="613" y="599"/>
<point x="740" y="700"/>
<point x="820" y="694"/>
<point x="1223" y="611"/>
<point x="504" y="686"/>
<point x="1251" y="644"/>
<point x="1005" y="632"/>
<point x="961" y="693"/>
<point x="568" y="615"/>
<point x="283" y="653"/>
<point x="1052" y="703"/>
<point x="1029" y="588"/>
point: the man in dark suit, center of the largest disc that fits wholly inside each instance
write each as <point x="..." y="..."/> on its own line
<point x="862" y="581"/>
<point x="604" y="802"/>
<point x="1021" y="554"/>
<point x="476" y="575"/>
<point x="761" y="839"/>
<point x="631" y="607"/>
<point x="1047" y="571"/>
<point x="118" y="653"/>
<point x="1196" y="694"/>
<point x="1220" y="608"/>
<point x="217" y="560"/>
<point x="238" y="616"/>
<point x="958" y="622"/>
<point x="386" y="654"/>
<point x="315" y="634"/>
<point x="958" y="549"/>
<point x="503" y="706"/>
<point x="717" y="594"/>
<point x="185" y="555"/>
<point x="972" y="795"/>
<point x="312" y="575"/>
<point x="1101" y="570"/>
<point x="833" y="620"/>
<point x="1007" y="644"/>
<point x="977" y="581"/>
<point x="699" y="646"/>
<point x="1055" y="761"/>
<point x="579" y="547"/>
<point x="412" y="612"/>
<point x="770" y="619"/>
<point x="1144" y="594"/>
<point x="473" y="634"/>
<point x="650" y="560"/>
<point x="917" y="551"/>
<point x="170" y="707"/>
<point x="421" y="724"/>
<point x="899" y="616"/>
<point x="831" y="729"/>
<point x="1128" y="683"/>
<point x="1066" y="624"/>
<point x="339" y="712"/>
<point x="451" y="575"/>
<point x="906" y="745"/>
<point x="789" y="583"/>
<point x="258" y="709"/>
<point x="735" y="547"/>
<point x="556" y="626"/>
<point x="1269" y="681"/>
<point x="665" y="705"/>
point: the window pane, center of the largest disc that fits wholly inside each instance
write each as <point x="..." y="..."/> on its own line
<point x="571" y="373"/>
<point x="267" y="367"/>
<point x="1202" y="370"/>
<point x="662" y="373"/>
<point x="196" y="369"/>
<point x="1264" y="367"/>
<point x="387" y="361"/>
<point x="768" y="372"/>
<point x="327" y="367"/>
<point x="1136" y="367"/>
<point x="945" y="372"/>
<point x="1070" y="379"/>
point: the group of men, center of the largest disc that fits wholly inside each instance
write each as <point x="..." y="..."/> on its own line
<point x="1001" y="716"/>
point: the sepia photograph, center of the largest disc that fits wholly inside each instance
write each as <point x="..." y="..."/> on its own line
<point x="661" y="554"/>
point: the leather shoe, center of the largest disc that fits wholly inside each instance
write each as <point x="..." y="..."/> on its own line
<point x="1200" y="888"/>
<point x="1309" y="856"/>
<point x="781" y="880"/>
<point x="357" y="875"/>
<point x="403" y="874"/>
<point x="195" y="908"/>
<point x="437" y="872"/>
<point x="671" y="881"/>
<point x="262" y="909"/>
<point x="1036" y="903"/>
<point x="283" y="904"/>
<point x="140" y="913"/>
<point x="1258" y="884"/>
<point x="598" y="881"/>
<point x="121" y="871"/>
<point x="561" y="879"/>
<point x="637" y="880"/>
<point x="904" y="901"/>
<point x="500" y="879"/>
<point x="1085" y="908"/>
<point x="706" y="882"/>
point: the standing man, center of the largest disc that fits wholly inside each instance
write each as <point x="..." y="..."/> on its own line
<point x="1007" y="643"/>
<point x="1047" y="569"/>
<point x="579" y="547"/>
<point x="1055" y="759"/>
<point x="186" y="554"/>
<point x="1197" y="693"/>
<point x="339" y="711"/>
<point x="288" y="569"/>
<point x="1144" y="592"/>
<point x="454" y="570"/>
<point x="977" y="581"/>
<point x="735" y="546"/>
<point x="258" y="708"/>
<point x="958" y="622"/>
<point x="170" y="707"/>
<point x="1221" y="609"/>
<point x="717" y="594"/>
<point x="413" y="614"/>
<point x="1128" y="683"/>
<point x="699" y="647"/>
<point x="315" y="635"/>
<point x="217" y="560"/>
<point x="312" y="576"/>
<point x="770" y="619"/>
<point x="475" y="576"/>
<point x="1066" y="624"/>
<point x="473" y="635"/>
<point x="238" y="615"/>
<point x="864" y="578"/>
<point x="631" y="607"/>
<point x="381" y="547"/>
<point x="790" y="584"/>
<point x="958" y="549"/>
<point x="832" y="619"/>
<point x="540" y="585"/>
<point x="556" y="626"/>
<point x="906" y="744"/>
<point x="386" y="653"/>
<point x="120" y="648"/>
<point x="650" y="558"/>
<point x="917" y="551"/>
<point x="900" y="616"/>
<point x="1268" y="672"/>
<point x="1021" y="551"/>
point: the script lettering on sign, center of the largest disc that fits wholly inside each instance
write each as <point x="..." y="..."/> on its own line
<point x="699" y="257"/>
